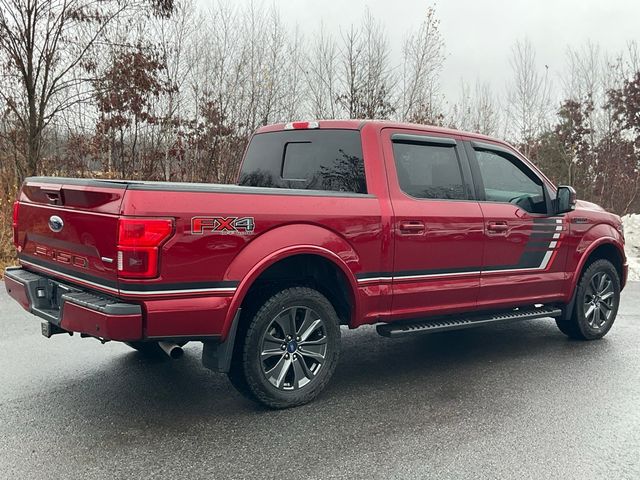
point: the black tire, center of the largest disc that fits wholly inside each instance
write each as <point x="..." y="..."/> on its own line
<point x="596" y="304"/>
<point x="281" y="369"/>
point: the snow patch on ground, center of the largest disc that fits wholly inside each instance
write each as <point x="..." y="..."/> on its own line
<point x="632" y="244"/>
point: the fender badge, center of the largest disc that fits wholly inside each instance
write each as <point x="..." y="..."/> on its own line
<point x="223" y="225"/>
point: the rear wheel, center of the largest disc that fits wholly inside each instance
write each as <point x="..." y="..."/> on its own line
<point x="289" y="350"/>
<point x="597" y="301"/>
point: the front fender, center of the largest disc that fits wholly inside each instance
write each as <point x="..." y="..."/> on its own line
<point x="283" y="242"/>
<point x="595" y="237"/>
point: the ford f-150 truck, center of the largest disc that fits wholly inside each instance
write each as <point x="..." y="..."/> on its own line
<point x="412" y="228"/>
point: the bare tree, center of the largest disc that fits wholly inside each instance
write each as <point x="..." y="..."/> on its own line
<point x="379" y="78"/>
<point x="366" y="75"/>
<point x="476" y="110"/>
<point x="529" y="95"/>
<point x="44" y="44"/>
<point x="350" y="76"/>
<point x="582" y="78"/>
<point x="174" y="36"/>
<point x="487" y="110"/>
<point x="423" y="59"/>
<point x="321" y="75"/>
<point x="295" y="85"/>
<point x="633" y="54"/>
<point x="461" y="114"/>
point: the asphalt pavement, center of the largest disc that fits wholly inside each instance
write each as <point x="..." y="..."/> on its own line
<point x="515" y="401"/>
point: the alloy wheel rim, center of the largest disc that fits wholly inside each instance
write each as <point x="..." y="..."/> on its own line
<point x="599" y="300"/>
<point x="293" y="348"/>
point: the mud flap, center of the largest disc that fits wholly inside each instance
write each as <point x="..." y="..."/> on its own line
<point x="217" y="356"/>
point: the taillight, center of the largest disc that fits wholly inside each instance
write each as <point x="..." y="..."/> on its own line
<point x="139" y="240"/>
<point x="16" y="208"/>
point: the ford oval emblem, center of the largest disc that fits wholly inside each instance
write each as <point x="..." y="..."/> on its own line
<point x="55" y="223"/>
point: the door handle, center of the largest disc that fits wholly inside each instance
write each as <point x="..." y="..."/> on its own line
<point x="411" y="227"/>
<point x="497" y="227"/>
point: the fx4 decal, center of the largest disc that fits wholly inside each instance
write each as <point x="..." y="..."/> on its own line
<point x="222" y="225"/>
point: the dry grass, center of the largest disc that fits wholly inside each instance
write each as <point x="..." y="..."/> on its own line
<point x="7" y="250"/>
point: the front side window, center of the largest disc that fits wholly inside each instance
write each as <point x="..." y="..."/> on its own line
<point x="428" y="171"/>
<point x="306" y="159"/>
<point x="505" y="181"/>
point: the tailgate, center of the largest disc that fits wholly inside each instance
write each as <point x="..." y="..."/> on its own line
<point x="69" y="228"/>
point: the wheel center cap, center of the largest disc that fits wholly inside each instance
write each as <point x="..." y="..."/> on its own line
<point x="292" y="346"/>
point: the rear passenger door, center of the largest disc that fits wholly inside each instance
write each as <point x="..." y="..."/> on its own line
<point x="524" y="255"/>
<point x="438" y="227"/>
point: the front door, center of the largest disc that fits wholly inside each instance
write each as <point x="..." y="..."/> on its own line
<point x="438" y="224"/>
<point x="524" y="255"/>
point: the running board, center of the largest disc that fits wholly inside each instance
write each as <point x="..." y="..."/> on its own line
<point x="443" y="324"/>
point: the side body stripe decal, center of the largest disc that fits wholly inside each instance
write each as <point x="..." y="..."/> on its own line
<point x="537" y="254"/>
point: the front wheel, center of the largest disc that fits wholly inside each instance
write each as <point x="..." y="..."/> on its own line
<point x="289" y="351"/>
<point x="597" y="301"/>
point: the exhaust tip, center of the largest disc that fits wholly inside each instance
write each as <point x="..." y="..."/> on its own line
<point x="176" y="352"/>
<point x="172" y="350"/>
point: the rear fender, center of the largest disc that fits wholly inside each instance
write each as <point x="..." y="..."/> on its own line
<point x="283" y="242"/>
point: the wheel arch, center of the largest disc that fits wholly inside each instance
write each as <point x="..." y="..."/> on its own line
<point x="314" y="247"/>
<point x="604" y="248"/>
<point x="607" y="248"/>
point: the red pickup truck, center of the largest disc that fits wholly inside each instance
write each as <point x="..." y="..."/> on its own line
<point x="416" y="229"/>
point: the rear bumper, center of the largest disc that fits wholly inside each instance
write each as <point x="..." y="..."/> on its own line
<point x="73" y="309"/>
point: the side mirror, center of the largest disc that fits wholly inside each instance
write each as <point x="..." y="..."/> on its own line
<point x="565" y="199"/>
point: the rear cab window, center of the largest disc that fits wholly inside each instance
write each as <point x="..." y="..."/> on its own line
<point x="428" y="168"/>
<point x="323" y="159"/>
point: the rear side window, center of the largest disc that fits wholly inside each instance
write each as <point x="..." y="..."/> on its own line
<point x="306" y="159"/>
<point x="429" y="171"/>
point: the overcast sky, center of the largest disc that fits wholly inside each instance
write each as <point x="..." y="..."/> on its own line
<point x="479" y="33"/>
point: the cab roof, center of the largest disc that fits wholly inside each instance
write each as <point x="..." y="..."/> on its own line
<point x="355" y="124"/>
